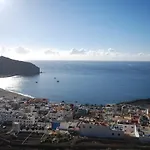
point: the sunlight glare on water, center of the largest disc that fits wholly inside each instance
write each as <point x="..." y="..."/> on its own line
<point x="10" y="82"/>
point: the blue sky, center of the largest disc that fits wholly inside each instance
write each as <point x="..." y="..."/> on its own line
<point x="75" y="29"/>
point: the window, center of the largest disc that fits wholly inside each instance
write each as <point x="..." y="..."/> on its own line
<point x="132" y="127"/>
<point x="118" y="134"/>
<point x="112" y="133"/>
<point x="125" y="126"/>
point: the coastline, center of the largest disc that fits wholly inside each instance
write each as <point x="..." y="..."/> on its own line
<point x="8" y="94"/>
<point x="11" y="94"/>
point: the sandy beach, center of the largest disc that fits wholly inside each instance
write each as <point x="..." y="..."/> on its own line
<point x="11" y="95"/>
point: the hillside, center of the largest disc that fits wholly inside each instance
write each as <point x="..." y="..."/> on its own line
<point x="138" y="102"/>
<point x="10" y="67"/>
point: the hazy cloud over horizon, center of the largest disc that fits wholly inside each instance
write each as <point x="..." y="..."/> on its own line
<point x="51" y="52"/>
<point x="23" y="53"/>
<point x="140" y="54"/>
<point x="22" y="50"/>
<point x="78" y="52"/>
<point x="111" y="50"/>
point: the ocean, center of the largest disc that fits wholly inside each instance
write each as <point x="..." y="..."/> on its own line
<point x="84" y="81"/>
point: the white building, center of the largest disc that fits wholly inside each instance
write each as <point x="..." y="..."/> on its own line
<point x="43" y="124"/>
<point x="129" y="129"/>
<point x="91" y="130"/>
<point x="29" y="109"/>
<point x="60" y="115"/>
<point x="68" y="125"/>
<point x="16" y="127"/>
<point x="29" y="120"/>
<point x="6" y="115"/>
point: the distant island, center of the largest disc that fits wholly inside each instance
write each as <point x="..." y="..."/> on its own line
<point x="10" y="67"/>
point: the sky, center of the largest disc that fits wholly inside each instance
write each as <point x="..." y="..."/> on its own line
<point x="75" y="29"/>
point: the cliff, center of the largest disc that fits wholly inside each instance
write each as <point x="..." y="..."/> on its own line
<point x="10" y="67"/>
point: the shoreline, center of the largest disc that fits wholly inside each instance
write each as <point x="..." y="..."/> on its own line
<point x="21" y="94"/>
<point x="11" y="94"/>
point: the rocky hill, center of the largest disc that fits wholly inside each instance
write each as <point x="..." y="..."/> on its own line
<point x="10" y="67"/>
<point x="138" y="102"/>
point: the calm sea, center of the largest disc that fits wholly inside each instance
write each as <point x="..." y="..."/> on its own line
<point x="85" y="82"/>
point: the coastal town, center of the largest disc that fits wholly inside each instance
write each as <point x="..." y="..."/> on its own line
<point x="37" y="121"/>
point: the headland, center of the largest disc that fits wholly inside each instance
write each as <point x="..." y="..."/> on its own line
<point x="10" y="67"/>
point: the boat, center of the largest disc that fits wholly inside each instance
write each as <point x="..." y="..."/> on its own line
<point x="57" y="80"/>
<point x="36" y="82"/>
<point x="54" y="77"/>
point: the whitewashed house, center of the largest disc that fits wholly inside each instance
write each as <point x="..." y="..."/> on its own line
<point x="25" y="120"/>
<point x="91" y="130"/>
<point x="129" y="129"/>
<point x="6" y="115"/>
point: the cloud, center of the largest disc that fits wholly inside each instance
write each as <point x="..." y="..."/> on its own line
<point x="51" y="52"/>
<point x="22" y="50"/>
<point x="78" y="52"/>
<point x="111" y="50"/>
<point x="101" y="52"/>
<point x="109" y="54"/>
<point x="98" y="52"/>
<point x="140" y="54"/>
<point x="3" y="50"/>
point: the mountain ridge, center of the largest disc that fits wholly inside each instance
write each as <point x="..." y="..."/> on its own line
<point x="11" y="67"/>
